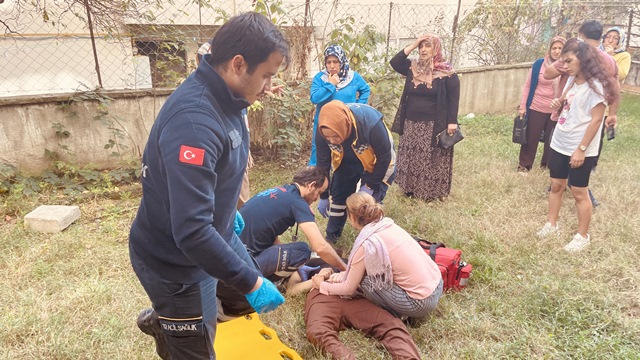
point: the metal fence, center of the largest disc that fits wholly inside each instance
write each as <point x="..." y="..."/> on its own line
<point x="74" y="45"/>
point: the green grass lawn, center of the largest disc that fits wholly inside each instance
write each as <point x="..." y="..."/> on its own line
<point x="73" y="295"/>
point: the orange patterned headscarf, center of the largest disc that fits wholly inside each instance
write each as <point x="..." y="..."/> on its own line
<point x="336" y="116"/>
<point x="424" y="71"/>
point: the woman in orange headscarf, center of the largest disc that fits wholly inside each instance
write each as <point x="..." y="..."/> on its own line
<point x="355" y="145"/>
<point x="428" y="106"/>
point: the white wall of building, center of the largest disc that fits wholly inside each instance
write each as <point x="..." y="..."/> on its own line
<point x="56" y="56"/>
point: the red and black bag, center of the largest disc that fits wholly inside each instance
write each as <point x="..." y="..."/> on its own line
<point x="455" y="272"/>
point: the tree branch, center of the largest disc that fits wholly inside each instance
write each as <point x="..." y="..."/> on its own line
<point x="7" y="28"/>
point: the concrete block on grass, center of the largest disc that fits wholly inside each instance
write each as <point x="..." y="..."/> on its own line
<point x="51" y="218"/>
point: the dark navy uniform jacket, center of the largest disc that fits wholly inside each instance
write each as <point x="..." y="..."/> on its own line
<point x="193" y="165"/>
<point x="370" y="143"/>
<point x="270" y="213"/>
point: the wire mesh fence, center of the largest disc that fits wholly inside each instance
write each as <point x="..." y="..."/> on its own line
<point x="71" y="45"/>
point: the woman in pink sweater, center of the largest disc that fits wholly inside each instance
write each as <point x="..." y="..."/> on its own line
<point x="537" y="94"/>
<point x="386" y="264"/>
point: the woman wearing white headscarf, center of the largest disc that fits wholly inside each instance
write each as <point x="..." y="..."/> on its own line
<point x="336" y="82"/>
<point x="613" y="42"/>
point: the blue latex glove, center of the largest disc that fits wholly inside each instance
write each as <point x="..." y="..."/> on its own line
<point x="238" y="224"/>
<point x="323" y="207"/>
<point x="305" y="270"/>
<point x="365" y="189"/>
<point x="266" y="298"/>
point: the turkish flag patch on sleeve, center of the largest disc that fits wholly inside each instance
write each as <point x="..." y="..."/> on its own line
<point x="191" y="155"/>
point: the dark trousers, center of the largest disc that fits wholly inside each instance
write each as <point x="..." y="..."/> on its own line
<point x="281" y="260"/>
<point x="343" y="183"/>
<point x="537" y="123"/>
<point x="325" y="316"/>
<point x="187" y="312"/>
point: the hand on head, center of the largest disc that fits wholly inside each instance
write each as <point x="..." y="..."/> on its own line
<point x="422" y="38"/>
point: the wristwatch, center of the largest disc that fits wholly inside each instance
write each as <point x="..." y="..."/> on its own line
<point x="582" y="147"/>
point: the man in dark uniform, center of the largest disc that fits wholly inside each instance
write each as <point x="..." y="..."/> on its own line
<point x="270" y="213"/>
<point x="182" y="241"/>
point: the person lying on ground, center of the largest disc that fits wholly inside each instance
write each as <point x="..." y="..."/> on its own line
<point x="326" y="315"/>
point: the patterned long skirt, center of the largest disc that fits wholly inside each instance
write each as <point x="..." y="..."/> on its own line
<point x="424" y="171"/>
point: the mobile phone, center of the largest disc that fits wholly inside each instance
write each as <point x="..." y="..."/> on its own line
<point x="611" y="133"/>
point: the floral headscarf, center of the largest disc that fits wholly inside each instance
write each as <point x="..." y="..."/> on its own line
<point x="345" y="74"/>
<point x="623" y="36"/>
<point x="337" y="51"/>
<point x="548" y="60"/>
<point x="424" y="71"/>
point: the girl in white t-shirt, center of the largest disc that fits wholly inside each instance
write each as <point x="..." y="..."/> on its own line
<point x="575" y="141"/>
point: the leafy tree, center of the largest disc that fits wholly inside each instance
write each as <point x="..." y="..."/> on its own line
<point x="366" y="56"/>
<point x="501" y="32"/>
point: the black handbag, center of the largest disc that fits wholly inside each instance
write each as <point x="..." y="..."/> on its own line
<point x="445" y="141"/>
<point x="519" y="135"/>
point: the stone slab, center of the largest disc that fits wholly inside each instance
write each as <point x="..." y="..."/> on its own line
<point x="51" y="218"/>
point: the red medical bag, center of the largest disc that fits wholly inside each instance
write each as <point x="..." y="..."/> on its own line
<point x="455" y="272"/>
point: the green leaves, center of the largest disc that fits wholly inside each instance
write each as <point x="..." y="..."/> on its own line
<point x="61" y="131"/>
<point x="290" y="114"/>
<point x="273" y="11"/>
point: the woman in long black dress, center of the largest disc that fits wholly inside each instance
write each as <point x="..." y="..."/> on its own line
<point x="429" y="105"/>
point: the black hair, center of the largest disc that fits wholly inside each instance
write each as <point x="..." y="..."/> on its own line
<point x="251" y="35"/>
<point x="309" y="174"/>
<point x="591" y="29"/>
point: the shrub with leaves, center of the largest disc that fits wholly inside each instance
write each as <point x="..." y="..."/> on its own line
<point x="292" y="113"/>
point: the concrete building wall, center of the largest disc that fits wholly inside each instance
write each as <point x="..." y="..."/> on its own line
<point x="56" y="55"/>
<point x="28" y="127"/>
<point x="27" y="123"/>
<point x="495" y="89"/>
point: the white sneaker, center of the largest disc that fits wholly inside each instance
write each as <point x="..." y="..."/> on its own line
<point x="578" y="243"/>
<point x="547" y="230"/>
